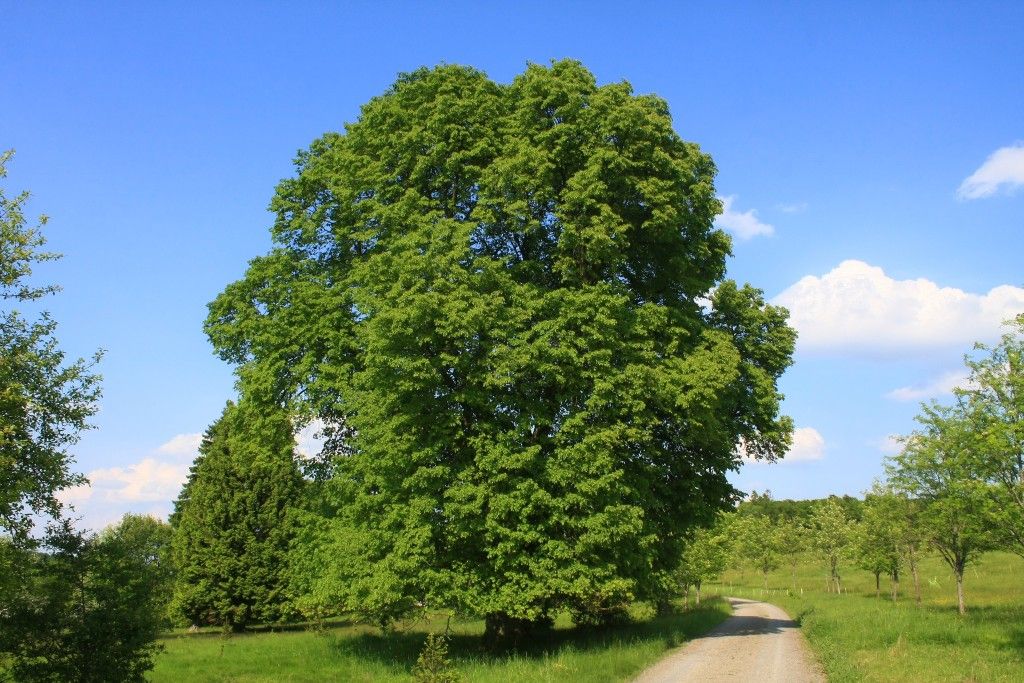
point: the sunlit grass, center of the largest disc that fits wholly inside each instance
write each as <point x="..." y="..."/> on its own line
<point x="362" y="654"/>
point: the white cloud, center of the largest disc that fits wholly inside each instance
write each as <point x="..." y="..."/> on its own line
<point x="1004" y="169"/>
<point x="149" y="480"/>
<point x="147" y="486"/>
<point x="808" y="444"/>
<point x="744" y="225"/>
<point x="940" y="386"/>
<point x="857" y="306"/>
<point x="183" y="445"/>
<point x="795" y="207"/>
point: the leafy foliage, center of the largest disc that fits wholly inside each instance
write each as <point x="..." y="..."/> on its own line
<point x="941" y="467"/>
<point x="88" y="608"/>
<point x="994" y="398"/>
<point x="44" y="402"/>
<point x="231" y="521"/>
<point x="758" y="541"/>
<point x="494" y="294"/>
<point x="833" y="538"/>
<point x="89" y="611"/>
<point x="705" y="556"/>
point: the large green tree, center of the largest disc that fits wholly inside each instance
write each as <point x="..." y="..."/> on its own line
<point x="231" y="521"/>
<point x="512" y="300"/>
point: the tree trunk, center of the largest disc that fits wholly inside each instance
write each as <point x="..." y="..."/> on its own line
<point x="917" y="579"/>
<point x="504" y="630"/>
<point x="960" y="591"/>
<point x="894" y="584"/>
<point x="697" y="594"/>
<point x="878" y="584"/>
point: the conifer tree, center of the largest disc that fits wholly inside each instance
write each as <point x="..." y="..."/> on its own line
<point x="231" y="521"/>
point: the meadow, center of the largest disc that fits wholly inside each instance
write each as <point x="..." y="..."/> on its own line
<point x="860" y="637"/>
<point x="361" y="654"/>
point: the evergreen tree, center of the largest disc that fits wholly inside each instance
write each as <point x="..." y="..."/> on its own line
<point x="231" y="521"/>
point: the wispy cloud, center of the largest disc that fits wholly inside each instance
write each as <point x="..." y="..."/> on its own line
<point x="857" y="307"/>
<point x="1003" y="170"/>
<point x="182" y="445"/>
<point x="890" y="445"/>
<point x="744" y="225"/>
<point x="940" y="386"/>
<point x="795" y="207"/>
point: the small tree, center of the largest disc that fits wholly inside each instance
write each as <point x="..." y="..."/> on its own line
<point x="758" y="540"/>
<point x="704" y="557"/>
<point x="833" y="535"/>
<point x="146" y="541"/>
<point x="911" y="536"/>
<point x="433" y="665"/>
<point x="877" y="543"/>
<point x="941" y="468"/>
<point x="793" y="538"/>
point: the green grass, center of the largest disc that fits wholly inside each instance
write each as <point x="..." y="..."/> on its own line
<point x="859" y="637"/>
<point x="361" y="654"/>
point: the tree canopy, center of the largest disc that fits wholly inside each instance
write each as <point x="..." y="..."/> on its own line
<point x="45" y="402"/>
<point x="510" y="301"/>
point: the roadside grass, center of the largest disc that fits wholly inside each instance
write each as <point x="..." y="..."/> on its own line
<point x="361" y="654"/>
<point x="859" y="637"/>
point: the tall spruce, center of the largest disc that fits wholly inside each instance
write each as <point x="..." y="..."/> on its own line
<point x="513" y="297"/>
<point x="231" y="521"/>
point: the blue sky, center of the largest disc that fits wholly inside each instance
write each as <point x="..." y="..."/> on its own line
<point x="845" y="136"/>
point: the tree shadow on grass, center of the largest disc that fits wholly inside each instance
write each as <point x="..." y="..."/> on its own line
<point x="402" y="649"/>
<point x="217" y="632"/>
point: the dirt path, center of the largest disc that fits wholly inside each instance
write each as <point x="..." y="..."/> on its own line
<point x="759" y="642"/>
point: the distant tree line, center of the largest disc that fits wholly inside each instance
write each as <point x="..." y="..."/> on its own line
<point x="956" y="488"/>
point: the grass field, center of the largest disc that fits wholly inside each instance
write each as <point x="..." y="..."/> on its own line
<point x="859" y="637"/>
<point x="360" y="654"/>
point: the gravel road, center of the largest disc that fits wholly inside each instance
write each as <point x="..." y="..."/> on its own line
<point x="759" y="642"/>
